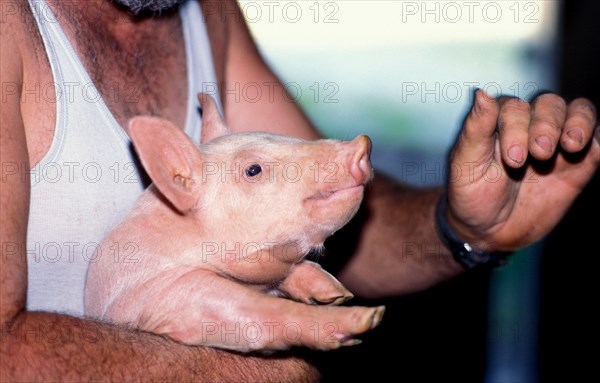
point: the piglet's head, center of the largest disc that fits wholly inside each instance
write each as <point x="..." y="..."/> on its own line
<point x="255" y="186"/>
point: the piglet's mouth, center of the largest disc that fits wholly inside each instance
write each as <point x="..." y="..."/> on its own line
<point x="337" y="194"/>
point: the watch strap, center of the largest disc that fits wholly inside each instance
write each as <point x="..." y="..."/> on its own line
<point x="462" y="251"/>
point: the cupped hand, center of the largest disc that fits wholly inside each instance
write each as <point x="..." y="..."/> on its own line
<point x="517" y="167"/>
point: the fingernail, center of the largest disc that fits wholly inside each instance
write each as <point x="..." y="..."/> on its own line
<point x="351" y="342"/>
<point x="477" y="106"/>
<point x="481" y="99"/>
<point x="544" y="143"/>
<point x="575" y="135"/>
<point x="515" y="153"/>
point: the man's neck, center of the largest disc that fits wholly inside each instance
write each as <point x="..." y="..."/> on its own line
<point x="119" y="50"/>
<point x="112" y="17"/>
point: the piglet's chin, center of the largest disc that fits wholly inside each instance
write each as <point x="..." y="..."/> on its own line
<point x="335" y="208"/>
<point x="346" y="196"/>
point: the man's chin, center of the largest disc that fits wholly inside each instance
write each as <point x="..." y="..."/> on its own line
<point x="148" y="6"/>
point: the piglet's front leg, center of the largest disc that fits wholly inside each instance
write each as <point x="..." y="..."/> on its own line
<point x="200" y="307"/>
<point x="309" y="283"/>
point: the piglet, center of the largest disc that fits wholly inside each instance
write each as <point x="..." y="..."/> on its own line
<point x="221" y="236"/>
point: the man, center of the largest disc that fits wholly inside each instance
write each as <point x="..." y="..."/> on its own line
<point x="547" y="151"/>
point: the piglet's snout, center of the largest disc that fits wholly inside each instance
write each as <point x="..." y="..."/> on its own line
<point x="360" y="163"/>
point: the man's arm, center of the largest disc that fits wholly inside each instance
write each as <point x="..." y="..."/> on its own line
<point x="399" y="250"/>
<point x="38" y="346"/>
<point x="51" y="347"/>
<point x="275" y="110"/>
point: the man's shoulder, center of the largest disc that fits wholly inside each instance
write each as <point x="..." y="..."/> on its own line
<point x="11" y="38"/>
<point x="14" y="13"/>
<point x="18" y="29"/>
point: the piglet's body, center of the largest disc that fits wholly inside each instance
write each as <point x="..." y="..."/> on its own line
<point x="218" y="242"/>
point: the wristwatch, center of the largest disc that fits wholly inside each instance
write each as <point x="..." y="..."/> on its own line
<point x="462" y="251"/>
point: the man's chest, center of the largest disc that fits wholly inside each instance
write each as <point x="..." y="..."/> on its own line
<point x="133" y="71"/>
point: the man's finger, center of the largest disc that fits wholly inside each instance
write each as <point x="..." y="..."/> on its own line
<point x="513" y="129"/>
<point x="579" y="126"/>
<point x="477" y="139"/>
<point x="548" y="117"/>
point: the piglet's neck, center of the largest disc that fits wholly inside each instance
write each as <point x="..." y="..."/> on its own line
<point x="163" y="215"/>
<point x="256" y="261"/>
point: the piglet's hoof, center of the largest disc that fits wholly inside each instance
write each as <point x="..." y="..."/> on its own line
<point x="334" y="300"/>
<point x="377" y="316"/>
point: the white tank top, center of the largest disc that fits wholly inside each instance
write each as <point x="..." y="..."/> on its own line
<point x="89" y="178"/>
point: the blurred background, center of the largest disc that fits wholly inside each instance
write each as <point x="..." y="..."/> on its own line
<point x="404" y="72"/>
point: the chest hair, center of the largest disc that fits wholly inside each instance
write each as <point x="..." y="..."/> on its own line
<point x="138" y="66"/>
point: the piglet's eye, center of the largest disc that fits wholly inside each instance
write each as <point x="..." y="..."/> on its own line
<point x="253" y="170"/>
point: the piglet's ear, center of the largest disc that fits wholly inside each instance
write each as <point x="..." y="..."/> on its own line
<point x="212" y="123"/>
<point x="169" y="157"/>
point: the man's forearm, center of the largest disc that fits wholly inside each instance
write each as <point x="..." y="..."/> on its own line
<point x="399" y="251"/>
<point x="53" y="347"/>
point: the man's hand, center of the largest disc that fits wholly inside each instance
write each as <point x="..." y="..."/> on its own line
<point x="517" y="167"/>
